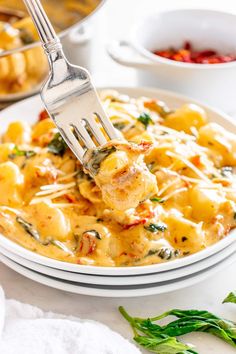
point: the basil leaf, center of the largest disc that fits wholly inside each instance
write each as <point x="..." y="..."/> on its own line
<point x="158" y="200"/>
<point x="188" y="321"/>
<point x="57" y="146"/>
<point x="231" y="297"/>
<point x="28" y="227"/>
<point x="95" y="158"/>
<point x="145" y="119"/>
<point x="166" y="345"/>
<point x="199" y="321"/>
<point x="153" y="340"/>
<point x="156" y="227"/>
<point x="17" y="152"/>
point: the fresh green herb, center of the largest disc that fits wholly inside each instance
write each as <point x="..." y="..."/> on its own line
<point x="231" y="297"/>
<point x="145" y="119"/>
<point x="28" y="227"/>
<point x="93" y="233"/>
<point x="57" y="145"/>
<point x="156" y="227"/>
<point x="198" y="321"/>
<point x="95" y="158"/>
<point x="17" y="152"/>
<point x="152" y="252"/>
<point x="157" y="200"/>
<point x="81" y="176"/>
<point x="164" y="253"/>
<point x="120" y="126"/>
<point x="152" y="340"/>
<point x="226" y="171"/>
<point x="188" y="321"/>
<point x="168" y="253"/>
<point x="163" y="345"/>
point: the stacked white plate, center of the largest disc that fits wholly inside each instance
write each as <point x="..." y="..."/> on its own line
<point x="119" y="281"/>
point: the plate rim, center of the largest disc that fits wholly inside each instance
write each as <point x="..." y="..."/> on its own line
<point x="83" y="290"/>
<point x="119" y="281"/>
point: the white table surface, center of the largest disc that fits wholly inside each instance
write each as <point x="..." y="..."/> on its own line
<point x="113" y="22"/>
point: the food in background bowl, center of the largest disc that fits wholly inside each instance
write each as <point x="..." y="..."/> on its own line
<point x="68" y="12"/>
<point x="55" y="209"/>
<point x="171" y="28"/>
<point x="25" y="67"/>
<point x="188" y="54"/>
<point x="20" y="71"/>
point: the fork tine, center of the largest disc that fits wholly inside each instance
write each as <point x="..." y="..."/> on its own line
<point x="96" y="130"/>
<point x="72" y="142"/>
<point x="83" y="135"/>
<point x="106" y="123"/>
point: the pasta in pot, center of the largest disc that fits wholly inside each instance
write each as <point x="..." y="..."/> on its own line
<point x="21" y="71"/>
<point x="166" y="191"/>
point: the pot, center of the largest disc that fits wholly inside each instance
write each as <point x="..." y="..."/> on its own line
<point x="76" y="40"/>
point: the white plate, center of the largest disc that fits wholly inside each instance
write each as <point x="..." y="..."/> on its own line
<point x="132" y="291"/>
<point x="124" y="280"/>
<point x="28" y="110"/>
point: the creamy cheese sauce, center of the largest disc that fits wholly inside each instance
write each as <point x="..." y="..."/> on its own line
<point x="168" y="193"/>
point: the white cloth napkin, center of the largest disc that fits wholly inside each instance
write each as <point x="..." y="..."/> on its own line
<point x="25" y="329"/>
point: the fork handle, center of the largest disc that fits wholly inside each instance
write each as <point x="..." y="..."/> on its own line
<point x="47" y="34"/>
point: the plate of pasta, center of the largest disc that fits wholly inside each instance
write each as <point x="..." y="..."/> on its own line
<point x="162" y="199"/>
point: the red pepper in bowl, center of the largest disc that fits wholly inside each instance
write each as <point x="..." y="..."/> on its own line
<point x="187" y="54"/>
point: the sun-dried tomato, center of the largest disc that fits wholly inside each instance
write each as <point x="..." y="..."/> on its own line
<point x="43" y="115"/>
<point x="187" y="54"/>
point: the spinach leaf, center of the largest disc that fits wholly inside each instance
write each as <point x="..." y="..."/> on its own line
<point x="28" y="227"/>
<point x="231" y="297"/>
<point x="157" y="200"/>
<point x="95" y="158"/>
<point x="119" y="126"/>
<point x="17" y="152"/>
<point x="145" y="119"/>
<point x="164" y="253"/>
<point x="156" y="227"/>
<point x="57" y="145"/>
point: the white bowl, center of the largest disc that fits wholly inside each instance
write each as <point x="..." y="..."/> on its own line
<point x="110" y="291"/>
<point x="212" y="83"/>
<point x="102" y="280"/>
<point x="28" y="110"/>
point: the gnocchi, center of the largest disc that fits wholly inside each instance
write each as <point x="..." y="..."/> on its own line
<point x="167" y="190"/>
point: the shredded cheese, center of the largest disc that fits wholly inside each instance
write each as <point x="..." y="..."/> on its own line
<point x="177" y="191"/>
<point x="190" y="165"/>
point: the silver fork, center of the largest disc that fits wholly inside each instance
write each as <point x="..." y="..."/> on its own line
<point x="68" y="94"/>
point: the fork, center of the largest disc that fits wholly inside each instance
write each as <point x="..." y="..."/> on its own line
<point x="69" y="95"/>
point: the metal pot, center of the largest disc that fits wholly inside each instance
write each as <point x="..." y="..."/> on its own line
<point x="75" y="37"/>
